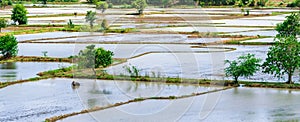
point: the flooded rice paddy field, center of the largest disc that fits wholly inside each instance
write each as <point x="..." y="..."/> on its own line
<point x="156" y="52"/>
<point x="229" y="105"/>
<point x="35" y="101"/>
<point x="13" y="71"/>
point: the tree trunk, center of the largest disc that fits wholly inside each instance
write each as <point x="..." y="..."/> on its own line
<point x="290" y="81"/>
<point x="94" y="71"/>
<point x="0" y="30"/>
<point x="91" y="24"/>
<point x="235" y="80"/>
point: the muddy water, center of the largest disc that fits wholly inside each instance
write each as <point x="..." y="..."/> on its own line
<point x="22" y="102"/>
<point x="238" y="104"/>
<point x="23" y="70"/>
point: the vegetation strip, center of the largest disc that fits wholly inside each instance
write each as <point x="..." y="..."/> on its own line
<point x="98" y="108"/>
<point x="36" y="59"/>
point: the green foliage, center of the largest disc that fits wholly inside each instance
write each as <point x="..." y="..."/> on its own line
<point x="94" y="58"/>
<point x="9" y="2"/>
<point x="140" y="5"/>
<point x="295" y="3"/>
<point x="4" y="3"/>
<point x="70" y="24"/>
<point x="283" y="58"/>
<point x="245" y="65"/>
<point x="103" y="57"/>
<point x="19" y="14"/>
<point x="8" y="46"/>
<point x="261" y="3"/>
<point x="122" y="30"/>
<point x="91" y="18"/>
<point x="133" y="71"/>
<point x="289" y="27"/>
<point x="101" y="6"/>
<point x="110" y="5"/>
<point x="3" y="23"/>
<point x="104" y="25"/>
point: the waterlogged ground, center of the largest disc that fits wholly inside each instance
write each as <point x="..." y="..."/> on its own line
<point x="158" y="48"/>
<point x="13" y="71"/>
<point x="237" y="104"/>
<point x="35" y="101"/>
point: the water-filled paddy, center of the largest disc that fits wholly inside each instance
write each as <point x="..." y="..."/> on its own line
<point x="49" y="35"/>
<point x="196" y="65"/>
<point x="120" y="50"/>
<point x="13" y="71"/>
<point x="35" y="101"/>
<point x="237" y="104"/>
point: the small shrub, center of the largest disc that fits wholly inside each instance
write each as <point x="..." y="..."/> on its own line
<point x="110" y="5"/>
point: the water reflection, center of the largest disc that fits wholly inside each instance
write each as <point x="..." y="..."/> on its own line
<point x="13" y="71"/>
<point x="239" y="104"/>
<point x="8" y="65"/>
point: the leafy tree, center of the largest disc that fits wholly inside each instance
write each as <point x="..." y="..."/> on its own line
<point x="283" y="58"/>
<point x="140" y="5"/>
<point x="19" y="14"/>
<point x="289" y="27"/>
<point x="9" y="2"/>
<point x="3" y="23"/>
<point x="101" y="6"/>
<point x="245" y="65"/>
<point x="4" y="3"/>
<point x="104" y="25"/>
<point x="94" y="58"/>
<point x="90" y="17"/>
<point x="8" y="46"/>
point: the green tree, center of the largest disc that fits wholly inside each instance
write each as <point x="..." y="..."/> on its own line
<point x="104" y="25"/>
<point x="140" y="5"/>
<point x="8" y="46"/>
<point x="101" y="6"/>
<point x="94" y="58"/>
<point x="283" y="58"/>
<point x="4" y="3"/>
<point x="90" y="17"/>
<point x="245" y="65"/>
<point x="19" y="14"/>
<point x="3" y="23"/>
<point x="289" y="27"/>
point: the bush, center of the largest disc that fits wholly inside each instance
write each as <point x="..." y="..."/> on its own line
<point x="140" y="5"/>
<point x="101" y="6"/>
<point x="3" y="23"/>
<point x="19" y="13"/>
<point x="70" y="24"/>
<point x="8" y="46"/>
<point x="9" y="2"/>
<point x="296" y="3"/>
<point x="104" y="25"/>
<point x="110" y="5"/>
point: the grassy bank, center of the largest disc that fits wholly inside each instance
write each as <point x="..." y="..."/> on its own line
<point x="35" y="59"/>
